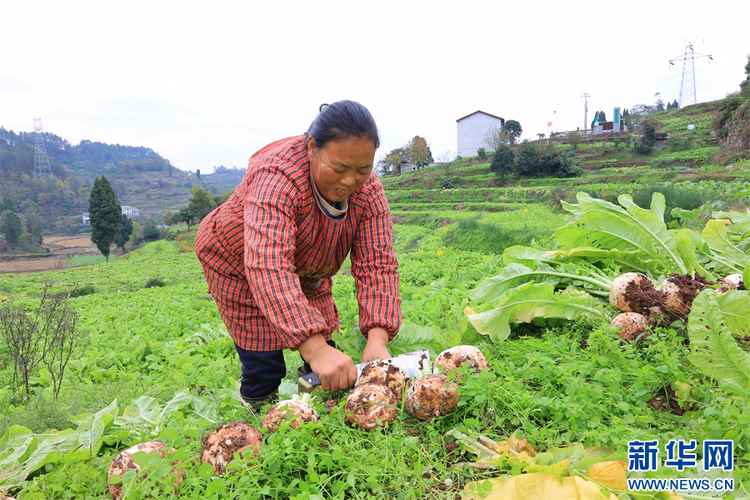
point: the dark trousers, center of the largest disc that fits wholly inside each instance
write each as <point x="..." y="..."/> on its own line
<point x="262" y="371"/>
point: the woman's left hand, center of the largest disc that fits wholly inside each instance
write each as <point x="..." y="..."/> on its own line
<point x="377" y="345"/>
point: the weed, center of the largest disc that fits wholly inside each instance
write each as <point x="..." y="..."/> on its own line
<point x="152" y="282"/>
<point x="81" y="291"/>
<point x="47" y="336"/>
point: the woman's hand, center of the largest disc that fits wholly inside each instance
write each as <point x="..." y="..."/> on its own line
<point x="377" y="345"/>
<point x="335" y="369"/>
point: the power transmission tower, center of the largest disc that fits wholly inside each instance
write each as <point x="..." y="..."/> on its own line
<point x="585" y="111"/>
<point x="42" y="169"/>
<point x="687" y="84"/>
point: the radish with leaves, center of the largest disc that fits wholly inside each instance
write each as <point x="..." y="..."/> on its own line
<point x="383" y="372"/>
<point x="451" y="359"/>
<point x="296" y="410"/>
<point x="371" y="405"/>
<point x="632" y="325"/>
<point x="431" y="395"/>
<point x="219" y="446"/>
<point x="124" y="462"/>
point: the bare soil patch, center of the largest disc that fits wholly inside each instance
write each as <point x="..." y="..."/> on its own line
<point x="61" y="249"/>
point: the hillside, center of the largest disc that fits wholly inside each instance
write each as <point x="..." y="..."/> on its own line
<point x="140" y="177"/>
<point x="479" y="211"/>
<point x="143" y="179"/>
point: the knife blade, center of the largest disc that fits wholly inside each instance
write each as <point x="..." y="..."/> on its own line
<point x="410" y="362"/>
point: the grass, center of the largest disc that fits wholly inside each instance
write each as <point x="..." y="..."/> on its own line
<point x="90" y="260"/>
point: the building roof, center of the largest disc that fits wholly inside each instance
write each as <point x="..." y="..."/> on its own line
<point x="479" y="111"/>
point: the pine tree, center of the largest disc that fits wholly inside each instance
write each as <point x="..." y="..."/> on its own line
<point x="105" y="213"/>
<point x="123" y="232"/>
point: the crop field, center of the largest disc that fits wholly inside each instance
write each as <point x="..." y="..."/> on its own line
<point x="563" y="397"/>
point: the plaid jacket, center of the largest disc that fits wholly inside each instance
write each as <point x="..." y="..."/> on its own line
<point x="269" y="252"/>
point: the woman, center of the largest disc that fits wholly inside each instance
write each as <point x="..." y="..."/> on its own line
<point x="270" y="250"/>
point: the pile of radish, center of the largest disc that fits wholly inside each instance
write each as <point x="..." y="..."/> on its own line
<point x="372" y="403"/>
<point x="644" y="306"/>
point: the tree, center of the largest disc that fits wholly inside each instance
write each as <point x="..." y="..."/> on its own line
<point x="35" y="227"/>
<point x="150" y="231"/>
<point x="418" y="152"/>
<point x="502" y="162"/>
<point x="675" y="104"/>
<point x="648" y="138"/>
<point x="527" y="160"/>
<point x="10" y="226"/>
<point x="659" y="102"/>
<point x="201" y="203"/>
<point x="135" y="236"/>
<point x="169" y="218"/>
<point x="124" y="232"/>
<point x="7" y="204"/>
<point x="198" y="173"/>
<point x="595" y="120"/>
<point x="184" y="215"/>
<point x="446" y="159"/>
<point x="391" y="164"/>
<point x="494" y="137"/>
<point x="602" y="116"/>
<point x="745" y="84"/>
<point x="105" y="213"/>
<point x="513" y="129"/>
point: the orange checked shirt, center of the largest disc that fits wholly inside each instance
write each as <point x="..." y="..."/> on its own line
<point x="269" y="252"/>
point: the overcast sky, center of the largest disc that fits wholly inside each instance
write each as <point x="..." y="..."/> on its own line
<point x="209" y="83"/>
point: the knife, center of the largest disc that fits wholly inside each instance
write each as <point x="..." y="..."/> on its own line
<point x="410" y="362"/>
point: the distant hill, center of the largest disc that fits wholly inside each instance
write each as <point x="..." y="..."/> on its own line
<point x="140" y="177"/>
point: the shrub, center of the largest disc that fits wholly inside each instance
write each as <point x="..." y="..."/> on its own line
<point x="84" y="290"/>
<point x="646" y="144"/>
<point x="152" y="282"/>
<point x="502" y="161"/>
<point x="481" y="153"/>
<point x="45" y="336"/>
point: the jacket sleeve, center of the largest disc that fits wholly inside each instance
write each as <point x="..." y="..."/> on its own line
<point x="269" y="208"/>
<point x="375" y="268"/>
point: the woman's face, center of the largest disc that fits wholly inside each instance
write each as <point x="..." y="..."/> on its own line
<point x="341" y="167"/>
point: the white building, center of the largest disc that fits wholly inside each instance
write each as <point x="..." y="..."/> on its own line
<point x="126" y="209"/>
<point x="130" y="211"/>
<point x="472" y="129"/>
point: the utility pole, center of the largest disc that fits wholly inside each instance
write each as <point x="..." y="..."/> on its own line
<point x="585" y="111"/>
<point x="687" y="83"/>
<point x="42" y="169"/>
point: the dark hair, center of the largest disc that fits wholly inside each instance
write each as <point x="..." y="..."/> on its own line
<point x="343" y="120"/>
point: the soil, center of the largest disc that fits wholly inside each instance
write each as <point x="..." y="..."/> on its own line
<point x="641" y="295"/>
<point x="689" y="287"/>
<point x="666" y="400"/>
<point x="61" y="249"/>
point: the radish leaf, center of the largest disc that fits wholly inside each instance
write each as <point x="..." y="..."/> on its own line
<point x="715" y="351"/>
<point x="529" y="301"/>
